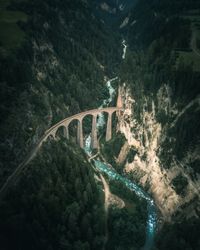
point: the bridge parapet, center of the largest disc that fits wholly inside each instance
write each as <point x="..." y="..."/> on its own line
<point x="52" y="132"/>
<point x="79" y="117"/>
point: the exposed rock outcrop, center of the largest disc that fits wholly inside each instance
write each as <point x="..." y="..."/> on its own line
<point x="147" y="168"/>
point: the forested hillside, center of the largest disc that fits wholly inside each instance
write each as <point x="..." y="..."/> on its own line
<point x="55" y="69"/>
<point x="111" y="11"/>
<point x="55" y="205"/>
<point x="55" y="59"/>
<point x="54" y="56"/>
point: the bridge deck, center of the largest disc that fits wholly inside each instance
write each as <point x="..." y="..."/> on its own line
<point x="16" y="173"/>
<point x="81" y="116"/>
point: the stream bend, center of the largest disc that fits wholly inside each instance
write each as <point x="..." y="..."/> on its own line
<point x="104" y="168"/>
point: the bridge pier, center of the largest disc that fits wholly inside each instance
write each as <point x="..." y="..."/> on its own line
<point x="94" y="141"/>
<point x="80" y="133"/>
<point x="66" y="132"/>
<point x="109" y="127"/>
<point x="53" y="134"/>
<point x="79" y="117"/>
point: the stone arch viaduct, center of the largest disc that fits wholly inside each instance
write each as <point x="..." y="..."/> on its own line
<point x="53" y="131"/>
<point x="79" y="117"/>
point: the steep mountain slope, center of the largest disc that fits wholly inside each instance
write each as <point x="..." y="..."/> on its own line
<point x="111" y="11"/>
<point x="55" y="205"/>
<point x="161" y="90"/>
<point x="53" y="65"/>
<point x="57" y="70"/>
<point x="54" y="58"/>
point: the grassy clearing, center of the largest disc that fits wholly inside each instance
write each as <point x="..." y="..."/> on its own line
<point x="11" y="35"/>
<point x="12" y="16"/>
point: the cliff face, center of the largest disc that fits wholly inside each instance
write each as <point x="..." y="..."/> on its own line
<point x="161" y="95"/>
<point x="147" y="137"/>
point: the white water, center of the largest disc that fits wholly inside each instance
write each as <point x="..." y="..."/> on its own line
<point x="101" y="117"/>
<point x="151" y="221"/>
<point x="103" y="167"/>
<point x="124" y="49"/>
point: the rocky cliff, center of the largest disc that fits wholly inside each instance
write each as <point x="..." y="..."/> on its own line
<point x="147" y="138"/>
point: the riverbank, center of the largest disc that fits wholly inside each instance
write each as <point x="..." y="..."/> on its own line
<point x="105" y="168"/>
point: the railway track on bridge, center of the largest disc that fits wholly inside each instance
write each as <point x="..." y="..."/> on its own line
<point x="12" y="179"/>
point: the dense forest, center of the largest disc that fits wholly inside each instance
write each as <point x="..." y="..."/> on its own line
<point x="55" y="69"/>
<point x="55" y="205"/>
<point x="55" y="58"/>
<point x="127" y="225"/>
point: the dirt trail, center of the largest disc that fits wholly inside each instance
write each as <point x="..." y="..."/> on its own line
<point x="107" y="193"/>
<point x="189" y="105"/>
<point x="110" y="199"/>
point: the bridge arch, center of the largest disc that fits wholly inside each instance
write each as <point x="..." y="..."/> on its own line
<point x="51" y="132"/>
<point x="87" y="123"/>
<point x="62" y="131"/>
<point x="50" y="137"/>
<point x="72" y="128"/>
<point x="78" y="119"/>
<point x="74" y="119"/>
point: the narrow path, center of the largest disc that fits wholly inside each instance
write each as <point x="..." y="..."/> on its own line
<point x="106" y="205"/>
<point x="106" y="191"/>
<point x="12" y="179"/>
<point x="103" y="167"/>
<point x="196" y="100"/>
<point x="16" y="173"/>
<point x="110" y="199"/>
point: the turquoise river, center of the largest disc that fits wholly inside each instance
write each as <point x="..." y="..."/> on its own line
<point x="105" y="168"/>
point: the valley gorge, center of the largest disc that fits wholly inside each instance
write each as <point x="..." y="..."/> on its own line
<point x="61" y="58"/>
